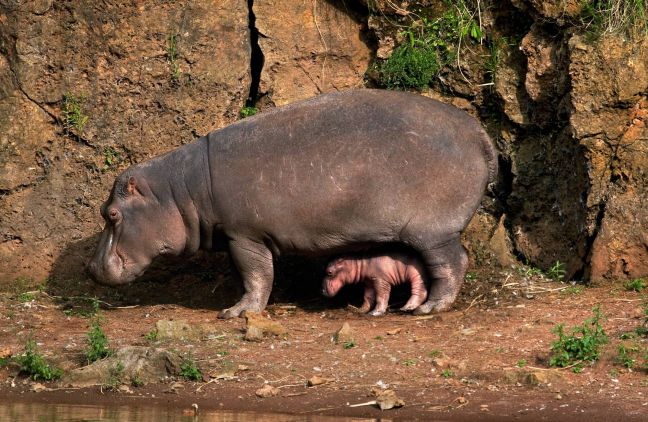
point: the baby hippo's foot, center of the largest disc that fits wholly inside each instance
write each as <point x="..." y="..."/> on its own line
<point x="408" y="307"/>
<point x="364" y="308"/>
<point x="413" y="303"/>
<point x="377" y="312"/>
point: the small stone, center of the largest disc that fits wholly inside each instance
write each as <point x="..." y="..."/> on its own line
<point x="38" y="387"/>
<point x="253" y="333"/>
<point x="176" y="330"/>
<point x="317" y="380"/>
<point x="124" y="389"/>
<point x="344" y="334"/>
<point x="558" y="397"/>
<point x="394" y="331"/>
<point x="267" y="391"/>
<point x="387" y="399"/>
<point x="258" y="325"/>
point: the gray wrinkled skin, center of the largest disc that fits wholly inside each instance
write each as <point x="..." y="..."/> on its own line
<point x="336" y="173"/>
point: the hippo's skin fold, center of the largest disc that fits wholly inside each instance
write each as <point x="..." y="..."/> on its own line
<point x="337" y="173"/>
<point x="378" y="273"/>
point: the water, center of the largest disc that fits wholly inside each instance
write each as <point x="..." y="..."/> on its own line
<point x="32" y="412"/>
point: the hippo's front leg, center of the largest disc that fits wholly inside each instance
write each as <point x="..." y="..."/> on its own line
<point x="254" y="263"/>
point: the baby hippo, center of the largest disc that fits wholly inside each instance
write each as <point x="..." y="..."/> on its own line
<point x="379" y="273"/>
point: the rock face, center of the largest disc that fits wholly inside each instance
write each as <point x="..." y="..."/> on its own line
<point x="88" y="88"/>
<point x="147" y="76"/>
<point x="610" y="122"/>
<point x="309" y="48"/>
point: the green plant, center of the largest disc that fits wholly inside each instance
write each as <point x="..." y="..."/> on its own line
<point x="115" y="375"/>
<point x="470" y="277"/>
<point x="435" y="353"/>
<point x="628" y="17"/>
<point x="190" y="371"/>
<point x="72" y="113"/>
<point x="429" y="45"/>
<point x="581" y="345"/>
<point x="572" y="290"/>
<point x="22" y="285"/>
<point x="409" y="362"/>
<point x="379" y="338"/>
<point x="111" y="157"/>
<point x="89" y="309"/>
<point x="97" y="342"/>
<point x="557" y="271"/>
<point x="34" y="365"/>
<point x="529" y="271"/>
<point x="447" y="373"/>
<point x="636" y="285"/>
<point x="25" y="297"/>
<point x="136" y="381"/>
<point x="412" y="65"/>
<point x="349" y="344"/>
<point x="626" y="355"/>
<point x="172" y="56"/>
<point x="247" y="111"/>
<point x="152" y="335"/>
<point x="521" y="363"/>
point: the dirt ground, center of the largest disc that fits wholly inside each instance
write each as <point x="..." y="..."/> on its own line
<point x="487" y="358"/>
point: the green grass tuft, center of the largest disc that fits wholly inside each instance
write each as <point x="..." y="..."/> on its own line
<point x="627" y="17"/>
<point x="582" y="345"/>
<point x="97" y="343"/>
<point x="74" y="120"/>
<point x="189" y="370"/>
<point x="34" y="365"/>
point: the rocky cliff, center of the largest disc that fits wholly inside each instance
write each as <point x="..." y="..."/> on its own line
<point x="89" y="87"/>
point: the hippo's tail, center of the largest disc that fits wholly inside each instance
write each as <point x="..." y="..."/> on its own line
<point x="491" y="159"/>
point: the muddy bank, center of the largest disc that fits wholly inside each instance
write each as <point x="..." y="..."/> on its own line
<point x="486" y="358"/>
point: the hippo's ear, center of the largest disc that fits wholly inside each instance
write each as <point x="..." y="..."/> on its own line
<point x="131" y="187"/>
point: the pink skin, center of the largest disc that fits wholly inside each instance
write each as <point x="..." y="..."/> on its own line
<point x="379" y="273"/>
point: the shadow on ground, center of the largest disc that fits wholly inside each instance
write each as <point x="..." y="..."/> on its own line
<point x="203" y="281"/>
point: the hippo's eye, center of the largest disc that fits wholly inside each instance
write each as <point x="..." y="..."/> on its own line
<point x="329" y="272"/>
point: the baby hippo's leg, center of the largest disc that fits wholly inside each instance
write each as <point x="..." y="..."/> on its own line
<point x="383" y="289"/>
<point x="419" y="292"/>
<point x="369" y="298"/>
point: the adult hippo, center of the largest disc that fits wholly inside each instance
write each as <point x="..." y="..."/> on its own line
<point x="336" y="173"/>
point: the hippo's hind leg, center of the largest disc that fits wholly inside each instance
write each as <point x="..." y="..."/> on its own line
<point x="446" y="266"/>
<point x="254" y="263"/>
<point x="419" y="292"/>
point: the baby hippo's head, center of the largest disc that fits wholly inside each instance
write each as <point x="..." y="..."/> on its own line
<point x="337" y="275"/>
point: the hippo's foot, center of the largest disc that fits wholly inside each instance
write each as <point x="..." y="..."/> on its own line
<point x="408" y="307"/>
<point x="377" y="312"/>
<point x="239" y="310"/>
<point x="230" y="313"/>
<point x="364" y="308"/>
<point x="438" y="305"/>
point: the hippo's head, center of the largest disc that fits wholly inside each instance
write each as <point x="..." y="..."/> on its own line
<point x="337" y="275"/>
<point x="140" y="225"/>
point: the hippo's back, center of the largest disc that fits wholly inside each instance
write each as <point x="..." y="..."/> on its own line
<point x="339" y="163"/>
